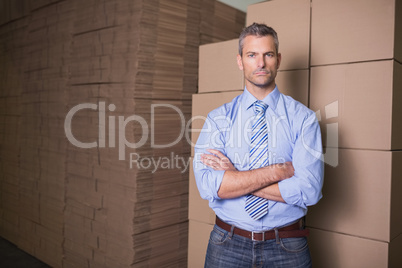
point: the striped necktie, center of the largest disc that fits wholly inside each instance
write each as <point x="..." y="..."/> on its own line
<point x="257" y="207"/>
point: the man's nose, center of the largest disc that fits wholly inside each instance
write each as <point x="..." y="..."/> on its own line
<point x="260" y="62"/>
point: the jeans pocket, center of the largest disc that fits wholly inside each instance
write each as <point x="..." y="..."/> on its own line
<point x="218" y="236"/>
<point x="294" y="244"/>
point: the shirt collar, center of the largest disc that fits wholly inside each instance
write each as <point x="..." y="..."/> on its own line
<point x="271" y="99"/>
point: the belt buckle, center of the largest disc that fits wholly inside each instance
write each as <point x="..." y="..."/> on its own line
<point x="252" y="236"/>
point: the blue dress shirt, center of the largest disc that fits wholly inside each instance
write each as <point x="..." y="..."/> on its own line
<point x="293" y="135"/>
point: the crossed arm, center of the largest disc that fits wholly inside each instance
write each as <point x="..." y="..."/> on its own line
<point x="262" y="182"/>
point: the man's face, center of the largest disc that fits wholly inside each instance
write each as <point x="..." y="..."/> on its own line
<point x="260" y="62"/>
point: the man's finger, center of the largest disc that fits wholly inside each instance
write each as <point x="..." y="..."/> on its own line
<point x="208" y="162"/>
<point x="210" y="157"/>
<point x="216" y="152"/>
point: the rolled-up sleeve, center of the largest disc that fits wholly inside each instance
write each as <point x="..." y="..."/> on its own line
<point x="304" y="188"/>
<point x="211" y="137"/>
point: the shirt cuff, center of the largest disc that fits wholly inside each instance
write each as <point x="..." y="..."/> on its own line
<point x="290" y="193"/>
<point x="218" y="174"/>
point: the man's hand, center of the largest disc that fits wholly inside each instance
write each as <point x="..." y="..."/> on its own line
<point x="217" y="160"/>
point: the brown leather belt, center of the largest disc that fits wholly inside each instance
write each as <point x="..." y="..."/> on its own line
<point x="293" y="230"/>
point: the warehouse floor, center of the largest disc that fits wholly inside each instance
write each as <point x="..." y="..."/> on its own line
<point x="13" y="257"/>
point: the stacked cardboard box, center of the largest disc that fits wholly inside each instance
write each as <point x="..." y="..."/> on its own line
<point x="139" y="209"/>
<point x="11" y="59"/>
<point x="100" y="190"/>
<point x="361" y="82"/>
<point x="14" y="10"/>
<point x="219" y="22"/>
<point x="128" y="62"/>
<point x="220" y="80"/>
<point x="165" y="210"/>
<point x="361" y="124"/>
<point x="41" y="139"/>
<point x="357" y="43"/>
<point x="83" y="82"/>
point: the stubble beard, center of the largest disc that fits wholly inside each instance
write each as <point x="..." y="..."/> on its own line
<point x="265" y="84"/>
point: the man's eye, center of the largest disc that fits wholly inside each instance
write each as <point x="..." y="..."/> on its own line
<point x="251" y="55"/>
<point x="270" y="55"/>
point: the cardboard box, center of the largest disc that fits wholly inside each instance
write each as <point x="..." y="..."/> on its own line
<point x="198" y="208"/>
<point x="218" y="70"/>
<point x="295" y="84"/>
<point x="363" y="100"/>
<point x="219" y="21"/>
<point x="291" y="20"/>
<point x="361" y="196"/>
<point x="334" y="250"/>
<point x="197" y="243"/>
<point x="351" y="31"/>
<point x="172" y="239"/>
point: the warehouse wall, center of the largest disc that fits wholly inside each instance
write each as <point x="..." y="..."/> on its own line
<point x="93" y="207"/>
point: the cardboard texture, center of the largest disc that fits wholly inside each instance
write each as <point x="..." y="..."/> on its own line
<point x="226" y="75"/>
<point x="366" y="100"/>
<point x="347" y="26"/>
<point x="353" y="191"/>
<point x="77" y="207"/>
<point x="294" y="84"/>
<point x="198" y="238"/>
<point x="219" y="22"/>
<point x="291" y="20"/>
<point x="333" y="250"/>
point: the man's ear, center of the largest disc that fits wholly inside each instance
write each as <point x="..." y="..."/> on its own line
<point x="279" y="60"/>
<point x="239" y="62"/>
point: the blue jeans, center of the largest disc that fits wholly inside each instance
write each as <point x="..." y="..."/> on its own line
<point x="226" y="250"/>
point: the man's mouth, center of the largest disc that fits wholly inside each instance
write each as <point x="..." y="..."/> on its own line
<point x="261" y="72"/>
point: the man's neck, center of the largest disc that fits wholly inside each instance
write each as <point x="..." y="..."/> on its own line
<point x="260" y="92"/>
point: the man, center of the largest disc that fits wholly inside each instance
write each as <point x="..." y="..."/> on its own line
<point x="258" y="160"/>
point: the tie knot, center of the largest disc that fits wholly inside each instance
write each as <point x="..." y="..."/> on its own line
<point x="260" y="107"/>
